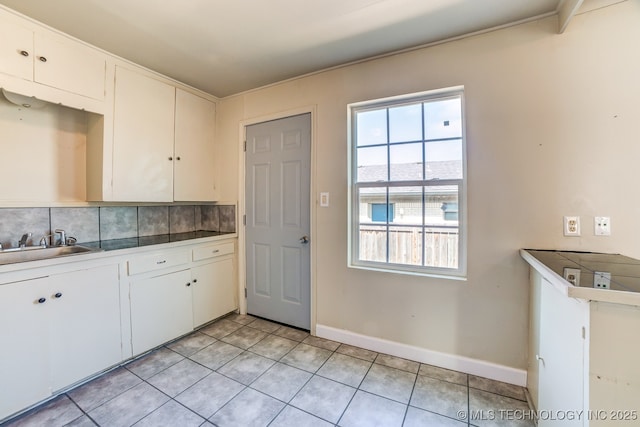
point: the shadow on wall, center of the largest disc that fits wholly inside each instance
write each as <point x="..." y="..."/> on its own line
<point x="91" y="224"/>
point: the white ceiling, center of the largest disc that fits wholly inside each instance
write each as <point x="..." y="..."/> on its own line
<point x="227" y="46"/>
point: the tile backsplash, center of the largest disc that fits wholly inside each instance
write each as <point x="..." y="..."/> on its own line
<point x="90" y="224"/>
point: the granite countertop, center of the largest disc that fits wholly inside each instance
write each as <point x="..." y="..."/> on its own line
<point x="625" y="271"/>
<point x="135" y="242"/>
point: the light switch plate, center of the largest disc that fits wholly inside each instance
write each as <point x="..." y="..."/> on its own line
<point x="324" y="200"/>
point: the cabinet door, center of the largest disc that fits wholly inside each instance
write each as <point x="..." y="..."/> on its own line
<point x="194" y="173"/>
<point x="160" y="309"/>
<point x="214" y="293"/>
<point x="24" y="363"/>
<point x="16" y="49"/>
<point x="143" y="134"/>
<point x="85" y="324"/>
<point x="562" y="354"/>
<point x="70" y="66"/>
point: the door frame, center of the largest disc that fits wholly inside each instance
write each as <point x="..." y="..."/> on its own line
<point x="242" y="249"/>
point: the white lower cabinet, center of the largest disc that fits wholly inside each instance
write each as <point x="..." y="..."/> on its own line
<point x="24" y="334"/>
<point x="557" y="377"/>
<point x="213" y="291"/>
<point x="161" y="309"/>
<point x="85" y="324"/>
<point x="69" y="323"/>
<point x="561" y="356"/>
<point x="55" y="331"/>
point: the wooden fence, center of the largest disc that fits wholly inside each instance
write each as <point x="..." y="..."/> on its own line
<point x="405" y="246"/>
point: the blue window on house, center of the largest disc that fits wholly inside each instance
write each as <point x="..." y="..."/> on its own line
<point x="450" y="211"/>
<point x="379" y="212"/>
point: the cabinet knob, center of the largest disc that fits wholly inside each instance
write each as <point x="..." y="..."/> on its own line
<point x="188" y="283"/>
<point x="170" y="158"/>
<point x="42" y="59"/>
<point x="42" y="300"/>
<point x="24" y="53"/>
<point x="58" y="295"/>
<point x="195" y="280"/>
<point x="178" y="158"/>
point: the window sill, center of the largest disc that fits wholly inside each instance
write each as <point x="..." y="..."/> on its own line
<point x="461" y="277"/>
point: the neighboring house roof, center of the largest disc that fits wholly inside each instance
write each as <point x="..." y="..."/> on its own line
<point x="450" y="169"/>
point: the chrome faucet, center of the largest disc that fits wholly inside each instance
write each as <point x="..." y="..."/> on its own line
<point x="23" y="240"/>
<point x="63" y="236"/>
<point x="44" y="241"/>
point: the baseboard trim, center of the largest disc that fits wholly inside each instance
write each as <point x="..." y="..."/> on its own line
<point x="454" y="362"/>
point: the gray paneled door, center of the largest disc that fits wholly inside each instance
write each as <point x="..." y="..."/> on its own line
<point x="277" y="191"/>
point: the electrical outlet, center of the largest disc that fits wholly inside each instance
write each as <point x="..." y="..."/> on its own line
<point x="601" y="280"/>
<point x="572" y="275"/>
<point x="572" y="226"/>
<point x="602" y="226"/>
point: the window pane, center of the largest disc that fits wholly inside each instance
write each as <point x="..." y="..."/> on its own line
<point x="405" y="245"/>
<point x="441" y="247"/>
<point x="372" y="127"/>
<point x="372" y="164"/>
<point x="407" y="205"/>
<point x="444" y="159"/>
<point x="373" y="243"/>
<point x="406" y="162"/>
<point x="405" y="123"/>
<point x="368" y="198"/>
<point x="441" y="205"/>
<point x="443" y="119"/>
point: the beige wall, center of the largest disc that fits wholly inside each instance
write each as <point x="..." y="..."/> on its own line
<point x="42" y="154"/>
<point x="552" y="130"/>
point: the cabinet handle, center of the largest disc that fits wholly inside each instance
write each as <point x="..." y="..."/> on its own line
<point x="216" y="251"/>
<point x="42" y="300"/>
<point x="540" y="359"/>
<point x="58" y="295"/>
<point x="170" y="158"/>
<point x="24" y="53"/>
<point x="161" y="262"/>
<point x="42" y="59"/>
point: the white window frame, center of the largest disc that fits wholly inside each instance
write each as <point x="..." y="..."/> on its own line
<point x="353" y="204"/>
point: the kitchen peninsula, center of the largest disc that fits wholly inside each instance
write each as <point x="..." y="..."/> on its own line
<point x="583" y="346"/>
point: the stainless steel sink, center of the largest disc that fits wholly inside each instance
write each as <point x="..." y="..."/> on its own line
<point x="36" y="253"/>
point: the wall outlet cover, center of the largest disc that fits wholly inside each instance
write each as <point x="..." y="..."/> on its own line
<point x="601" y="280"/>
<point x="572" y="275"/>
<point x="572" y="226"/>
<point x="602" y="226"/>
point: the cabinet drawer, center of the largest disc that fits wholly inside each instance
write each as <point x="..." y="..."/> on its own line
<point x="157" y="261"/>
<point x="212" y="251"/>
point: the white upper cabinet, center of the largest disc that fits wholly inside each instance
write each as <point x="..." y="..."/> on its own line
<point x="163" y="142"/>
<point x="194" y="173"/>
<point x="16" y="49"/>
<point x="69" y="66"/>
<point x="46" y="58"/>
<point x="143" y="134"/>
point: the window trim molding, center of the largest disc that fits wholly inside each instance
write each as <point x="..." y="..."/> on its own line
<point x="352" y="222"/>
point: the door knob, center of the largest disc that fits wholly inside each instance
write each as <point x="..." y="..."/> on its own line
<point x="304" y="240"/>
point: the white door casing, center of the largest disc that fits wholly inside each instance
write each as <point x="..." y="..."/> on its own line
<point x="277" y="195"/>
